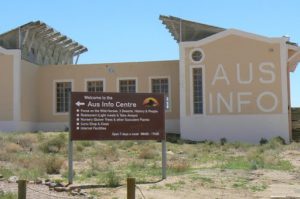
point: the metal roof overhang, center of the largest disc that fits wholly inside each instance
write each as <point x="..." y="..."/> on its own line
<point x="184" y="30"/>
<point x="52" y="36"/>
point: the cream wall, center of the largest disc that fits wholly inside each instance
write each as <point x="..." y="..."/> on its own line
<point x="111" y="73"/>
<point x="253" y="105"/>
<point x="6" y="87"/>
<point x="229" y="52"/>
<point x="29" y="92"/>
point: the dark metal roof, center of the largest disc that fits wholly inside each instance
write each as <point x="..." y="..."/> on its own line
<point x="184" y="30"/>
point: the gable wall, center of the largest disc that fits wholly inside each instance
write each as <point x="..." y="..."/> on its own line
<point x="237" y="106"/>
<point x="245" y="62"/>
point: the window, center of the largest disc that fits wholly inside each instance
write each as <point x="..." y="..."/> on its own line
<point x="94" y="86"/>
<point x="63" y="93"/>
<point x="196" y="55"/>
<point x="127" y="86"/>
<point x="197" y="91"/>
<point x="161" y="85"/>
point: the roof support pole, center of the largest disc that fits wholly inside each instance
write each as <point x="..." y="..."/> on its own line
<point x="19" y="39"/>
<point x="180" y="31"/>
<point x="77" y="58"/>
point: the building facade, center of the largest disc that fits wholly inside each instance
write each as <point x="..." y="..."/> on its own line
<point x="227" y="83"/>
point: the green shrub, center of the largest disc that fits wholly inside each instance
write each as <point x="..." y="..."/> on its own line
<point x="147" y="153"/>
<point x="223" y="141"/>
<point x="54" y="144"/>
<point x="263" y="141"/>
<point x="278" y="140"/>
<point x="112" y="179"/>
<point x="93" y="169"/>
<point x="53" y="164"/>
<point x="32" y="174"/>
<point x="27" y="140"/>
<point x="179" y="165"/>
<point x="126" y="144"/>
<point x="110" y="153"/>
<point x="173" y="137"/>
<point x="79" y="148"/>
<point x="6" y="172"/>
<point x="7" y="195"/>
<point x="87" y="143"/>
<point x="13" y="148"/>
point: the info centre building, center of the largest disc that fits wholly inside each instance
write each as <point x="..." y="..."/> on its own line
<point x="227" y="83"/>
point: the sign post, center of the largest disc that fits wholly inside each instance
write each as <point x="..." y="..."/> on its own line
<point x="70" y="148"/>
<point x="164" y="159"/>
<point x="70" y="160"/>
<point x="117" y="116"/>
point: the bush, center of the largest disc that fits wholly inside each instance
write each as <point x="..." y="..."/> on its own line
<point x="87" y="143"/>
<point x="53" y="164"/>
<point x="223" y="141"/>
<point x="179" y="165"/>
<point x="173" y="138"/>
<point x="7" y="195"/>
<point x="263" y="141"/>
<point x="13" y="148"/>
<point x="32" y="174"/>
<point x="112" y="179"/>
<point x="147" y="153"/>
<point x="54" y="144"/>
<point x="110" y="153"/>
<point x="27" y="140"/>
<point x="278" y="140"/>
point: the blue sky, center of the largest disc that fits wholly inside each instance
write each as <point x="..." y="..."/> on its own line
<point x="129" y="30"/>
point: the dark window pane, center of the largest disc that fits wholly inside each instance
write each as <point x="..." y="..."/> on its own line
<point x="197" y="90"/>
<point x="63" y="94"/>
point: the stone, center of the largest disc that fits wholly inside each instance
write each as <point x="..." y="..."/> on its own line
<point x="74" y="193"/>
<point x="47" y="183"/>
<point x="52" y="184"/>
<point x="13" y="179"/>
<point x="59" y="189"/>
<point x="38" y="181"/>
<point x="83" y="194"/>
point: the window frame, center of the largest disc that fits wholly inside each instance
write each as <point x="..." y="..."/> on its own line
<point x="128" y="79"/>
<point x="169" y="89"/>
<point x="192" y="91"/>
<point x="92" y="80"/>
<point x="54" y="100"/>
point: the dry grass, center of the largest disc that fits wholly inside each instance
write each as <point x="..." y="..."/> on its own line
<point x="178" y="165"/>
<point x="53" y="164"/>
<point x="13" y="148"/>
<point x="127" y="158"/>
<point x="147" y="153"/>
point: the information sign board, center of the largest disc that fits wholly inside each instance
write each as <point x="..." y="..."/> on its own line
<point x="117" y="116"/>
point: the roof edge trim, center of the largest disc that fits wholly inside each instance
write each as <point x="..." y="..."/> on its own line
<point x="228" y="32"/>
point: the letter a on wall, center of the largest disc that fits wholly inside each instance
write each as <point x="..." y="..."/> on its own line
<point x="220" y="75"/>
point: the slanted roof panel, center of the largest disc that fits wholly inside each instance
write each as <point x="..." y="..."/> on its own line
<point x="184" y="30"/>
